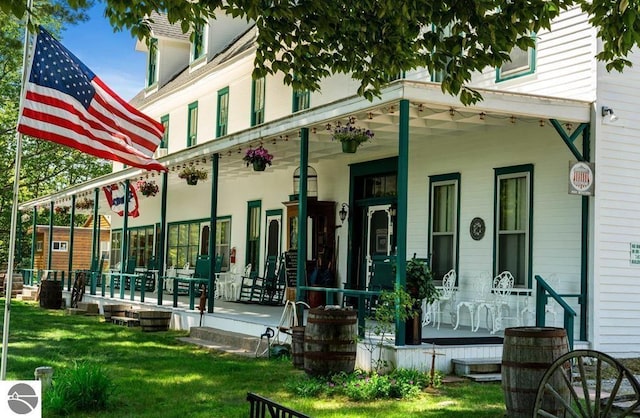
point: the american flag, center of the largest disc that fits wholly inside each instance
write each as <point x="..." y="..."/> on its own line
<point x="65" y="102"/>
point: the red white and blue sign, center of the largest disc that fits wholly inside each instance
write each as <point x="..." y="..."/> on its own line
<point x="115" y="197"/>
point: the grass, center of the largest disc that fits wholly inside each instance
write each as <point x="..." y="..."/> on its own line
<point x="155" y="375"/>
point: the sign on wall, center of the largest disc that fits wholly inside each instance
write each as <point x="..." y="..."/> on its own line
<point x="634" y="254"/>
<point x="581" y="178"/>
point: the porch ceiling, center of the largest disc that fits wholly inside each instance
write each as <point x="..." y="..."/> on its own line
<point x="432" y="115"/>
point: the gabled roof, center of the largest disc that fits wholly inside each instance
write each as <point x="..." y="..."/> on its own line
<point x="161" y="28"/>
<point x="242" y="43"/>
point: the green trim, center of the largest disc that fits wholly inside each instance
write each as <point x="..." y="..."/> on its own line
<point x="531" y="69"/>
<point x="253" y="204"/>
<point x="152" y="63"/>
<point x="441" y="178"/>
<point x="162" y="244"/>
<point x="301" y="100"/>
<point x="164" y="143"/>
<point x="257" y="114"/>
<point x="222" y="115"/>
<point x="584" y="256"/>
<point x="276" y="212"/>
<point x="50" y="250"/>
<point x="192" y="124"/>
<point x="523" y="168"/>
<point x="301" y="271"/>
<point x="569" y="140"/>
<point x="34" y="232"/>
<point x="198" y="43"/>
<point x="401" y="218"/>
<point x="213" y="227"/>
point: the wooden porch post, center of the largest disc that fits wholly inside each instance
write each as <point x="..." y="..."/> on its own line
<point x="401" y="219"/>
<point x="163" y="235"/>
<point x="302" y="222"/>
<point x="212" y="230"/>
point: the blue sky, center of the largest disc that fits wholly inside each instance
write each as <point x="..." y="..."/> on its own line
<point x="110" y="55"/>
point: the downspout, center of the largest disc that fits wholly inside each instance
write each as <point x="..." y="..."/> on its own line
<point x="401" y="219"/>
<point x="163" y="235"/>
<point x="302" y="222"/>
<point x="213" y="221"/>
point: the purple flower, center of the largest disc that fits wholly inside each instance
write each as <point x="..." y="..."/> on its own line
<point x="257" y="154"/>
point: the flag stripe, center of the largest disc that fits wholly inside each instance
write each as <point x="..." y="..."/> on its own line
<point x="65" y="102"/>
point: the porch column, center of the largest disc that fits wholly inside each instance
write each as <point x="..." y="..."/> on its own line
<point x="34" y="237"/>
<point x="584" y="256"/>
<point x="95" y="239"/>
<point x="215" y="162"/>
<point x="125" y="239"/>
<point x="163" y="235"/>
<point x="302" y="222"/>
<point x="71" y="236"/>
<point x="50" y="251"/>
<point x="401" y="219"/>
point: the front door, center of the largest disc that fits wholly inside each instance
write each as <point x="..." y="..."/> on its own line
<point x="378" y="242"/>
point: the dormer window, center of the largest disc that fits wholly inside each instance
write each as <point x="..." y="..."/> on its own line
<point x="152" y="65"/>
<point x="257" y="101"/>
<point x="198" y="44"/>
<point x="192" y="124"/>
<point x="523" y="62"/>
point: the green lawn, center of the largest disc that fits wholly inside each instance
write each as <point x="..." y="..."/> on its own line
<point x="158" y="376"/>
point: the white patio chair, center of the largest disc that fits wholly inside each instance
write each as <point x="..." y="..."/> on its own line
<point x="481" y="294"/>
<point x="447" y="297"/>
<point x="499" y="303"/>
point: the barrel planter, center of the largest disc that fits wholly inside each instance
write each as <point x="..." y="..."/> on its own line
<point x="526" y="354"/>
<point x="330" y="341"/>
<point x="297" y="347"/>
<point x="154" y="320"/>
<point x="50" y="294"/>
<point x="114" y="310"/>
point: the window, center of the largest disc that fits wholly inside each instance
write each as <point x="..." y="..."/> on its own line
<point x="443" y="223"/>
<point x="197" y="46"/>
<point x="223" y="240"/>
<point x="257" y="101"/>
<point x="152" y="67"/>
<point x="60" y="246"/>
<point x="116" y="247"/>
<point x="253" y="234"/>
<point x="223" y="112"/>
<point x="445" y="32"/>
<point x="183" y="243"/>
<point x="141" y="245"/>
<point x="165" y="136"/>
<point x="514" y="204"/>
<point x="522" y="63"/>
<point x="192" y="125"/>
<point x="301" y="100"/>
<point x="104" y="249"/>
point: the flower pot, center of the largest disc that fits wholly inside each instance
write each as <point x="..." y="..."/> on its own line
<point x="349" y="146"/>
<point x="259" y="165"/>
<point x="192" y="180"/>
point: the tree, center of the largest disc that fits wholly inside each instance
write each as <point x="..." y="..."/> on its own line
<point x="375" y="39"/>
<point x="46" y="167"/>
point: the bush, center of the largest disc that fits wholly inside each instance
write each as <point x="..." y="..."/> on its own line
<point x="363" y="386"/>
<point x="85" y="387"/>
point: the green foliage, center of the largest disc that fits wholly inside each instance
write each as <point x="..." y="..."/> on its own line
<point x="84" y="387"/>
<point x="360" y="386"/>
<point x="420" y="281"/>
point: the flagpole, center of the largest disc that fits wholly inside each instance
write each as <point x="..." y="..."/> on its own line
<point x="14" y="207"/>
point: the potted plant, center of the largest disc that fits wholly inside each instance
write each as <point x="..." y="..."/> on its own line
<point x="258" y="157"/>
<point x="84" y="204"/>
<point x="420" y="286"/>
<point x="147" y="188"/>
<point x="192" y="174"/>
<point x="351" y="136"/>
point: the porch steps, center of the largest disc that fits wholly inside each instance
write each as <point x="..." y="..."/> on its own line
<point x="479" y="370"/>
<point x="228" y="341"/>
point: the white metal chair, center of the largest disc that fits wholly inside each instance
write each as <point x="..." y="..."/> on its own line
<point x="499" y="302"/>
<point x="447" y="297"/>
<point x="481" y="294"/>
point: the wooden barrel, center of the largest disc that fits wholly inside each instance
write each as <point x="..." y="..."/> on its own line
<point x="330" y="341"/>
<point x="114" y="310"/>
<point x="297" y="347"/>
<point x="50" y="294"/>
<point x="527" y="353"/>
<point x="154" y="320"/>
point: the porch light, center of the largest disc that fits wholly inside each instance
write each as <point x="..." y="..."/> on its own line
<point x="312" y="182"/>
<point x="607" y="111"/>
<point x="343" y="212"/>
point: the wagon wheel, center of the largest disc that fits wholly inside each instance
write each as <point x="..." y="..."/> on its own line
<point x="78" y="289"/>
<point x="587" y="383"/>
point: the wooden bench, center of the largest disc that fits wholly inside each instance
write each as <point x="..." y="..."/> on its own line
<point x="262" y="407"/>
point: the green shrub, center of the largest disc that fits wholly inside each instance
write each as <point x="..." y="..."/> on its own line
<point x="84" y="387"/>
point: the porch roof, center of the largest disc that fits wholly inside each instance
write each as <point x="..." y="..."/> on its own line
<point x="433" y="114"/>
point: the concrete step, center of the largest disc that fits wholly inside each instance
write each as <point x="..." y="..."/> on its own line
<point x="466" y="367"/>
<point x="228" y="341"/>
<point x="485" y="377"/>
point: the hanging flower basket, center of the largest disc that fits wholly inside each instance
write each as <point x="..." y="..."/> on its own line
<point x="351" y="136"/>
<point x="147" y="188"/>
<point x="84" y="204"/>
<point x="258" y="157"/>
<point x="61" y="210"/>
<point x="192" y="174"/>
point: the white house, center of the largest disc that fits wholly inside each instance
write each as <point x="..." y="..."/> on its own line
<point x="479" y="189"/>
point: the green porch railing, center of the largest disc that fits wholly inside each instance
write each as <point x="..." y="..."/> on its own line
<point x="543" y="292"/>
<point x="360" y="294"/>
